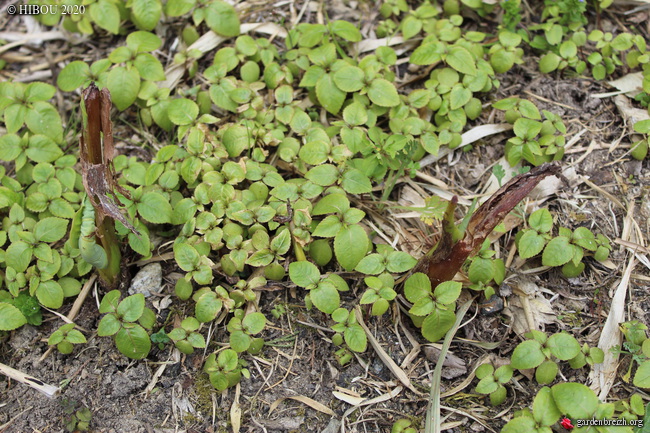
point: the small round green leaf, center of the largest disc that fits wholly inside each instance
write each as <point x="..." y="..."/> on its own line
<point x="332" y="203"/>
<point x="575" y="400"/>
<point x="304" y="273"/>
<point x="417" y="286"/>
<point x="350" y="245"/>
<point x="10" y="317"/>
<point x="355" y="182"/>
<point x="447" y="292"/>
<point x="355" y="338"/>
<point x="528" y="354"/>
<point x="155" y="208"/>
<point x="133" y="341"/>
<point x="436" y="325"/>
<point x="109" y="325"/>
<point x="186" y="256"/>
<point x="522" y="424"/>
<point x="461" y="60"/>
<point x="222" y="18"/>
<point x="145" y="14"/>
<point x="239" y="341"/>
<point x="123" y="84"/>
<point x="207" y="307"/>
<point x="254" y="323"/>
<point x="549" y="62"/>
<point x="18" y="256"/>
<point x="141" y="41"/>
<point x="329" y="94"/>
<point x="383" y="93"/>
<point x="182" y="111"/>
<point x="563" y="346"/>
<point x="323" y="175"/>
<point x="73" y="76"/>
<point x="531" y="244"/>
<point x="106" y="15"/>
<point x="546" y="372"/>
<point x="325" y="297"/>
<point x="50" y="229"/>
<point x="131" y="308"/>
<point x="557" y="252"/>
<point x="545" y="411"/>
<point x="349" y="78"/>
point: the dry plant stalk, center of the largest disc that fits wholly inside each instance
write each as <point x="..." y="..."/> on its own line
<point x="96" y="149"/>
<point x="49" y="390"/>
<point x="97" y="157"/>
<point x="445" y="259"/>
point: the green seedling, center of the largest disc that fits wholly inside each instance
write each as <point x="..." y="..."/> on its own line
<point x="632" y="408"/>
<point x="379" y="293"/>
<point x="160" y="338"/>
<point x="343" y="356"/>
<point x="541" y="352"/>
<point x="403" y="425"/>
<point x="242" y="327"/>
<point x="210" y="302"/>
<point x="303" y="129"/>
<point x="587" y="355"/>
<point x="558" y="403"/>
<point x="225" y="370"/>
<point x="26" y="104"/>
<point x="536" y="141"/>
<point x="65" y="338"/>
<point x="348" y="329"/>
<point x="185" y="338"/>
<point x="638" y="345"/>
<point x="323" y="291"/>
<point x="434" y="310"/>
<point x="640" y="148"/>
<point x="492" y="382"/>
<point x="566" y="250"/>
<point x="484" y="270"/>
<point x="127" y="322"/>
<point x="78" y="420"/>
<point x="350" y="240"/>
<point x="15" y="312"/>
<point x="278" y="311"/>
<point x="385" y="260"/>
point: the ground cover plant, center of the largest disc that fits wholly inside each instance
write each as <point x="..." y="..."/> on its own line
<point x="323" y="201"/>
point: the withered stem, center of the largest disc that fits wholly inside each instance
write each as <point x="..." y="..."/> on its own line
<point x="446" y="258"/>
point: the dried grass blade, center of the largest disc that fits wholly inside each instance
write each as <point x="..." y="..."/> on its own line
<point x="235" y="411"/>
<point x="433" y="423"/>
<point x="394" y="368"/>
<point x="483" y="131"/>
<point x="603" y="375"/>
<point x="306" y="400"/>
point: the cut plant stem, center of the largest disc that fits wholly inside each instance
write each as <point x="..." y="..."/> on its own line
<point x="446" y="258"/>
<point x="96" y="151"/>
<point x="49" y="390"/>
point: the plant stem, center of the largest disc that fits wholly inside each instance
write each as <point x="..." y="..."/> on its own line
<point x="446" y="258"/>
<point x="93" y="152"/>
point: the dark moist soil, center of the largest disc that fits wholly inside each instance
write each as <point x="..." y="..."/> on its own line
<point x="301" y="361"/>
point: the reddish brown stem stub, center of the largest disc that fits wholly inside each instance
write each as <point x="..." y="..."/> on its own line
<point x="96" y="149"/>
<point x="444" y="261"/>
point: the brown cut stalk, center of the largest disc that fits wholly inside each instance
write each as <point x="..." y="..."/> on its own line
<point x="445" y="259"/>
<point x="96" y="151"/>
